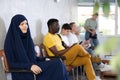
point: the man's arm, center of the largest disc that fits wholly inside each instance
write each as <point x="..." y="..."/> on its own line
<point x="56" y="52"/>
<point x="87" y="29"/>
<point x="61" y="52"/>
<point x="65" y="45"/>
<point x="91" y="31"/>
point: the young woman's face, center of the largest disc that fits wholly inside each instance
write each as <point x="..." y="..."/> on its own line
<point x="23" y="26"/>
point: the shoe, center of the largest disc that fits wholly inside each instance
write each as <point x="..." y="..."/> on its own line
<point x="95" y="59"/>
<point x="104" y="67"/>
<point x="97" y="78"/>
<point x="101" y="65"/>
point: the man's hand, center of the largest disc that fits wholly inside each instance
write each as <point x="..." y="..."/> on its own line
<point x="85" y="44"/>
<point x="93" y="32"/>
<point x="36" y="69"/>
<point x="74" y="44"/>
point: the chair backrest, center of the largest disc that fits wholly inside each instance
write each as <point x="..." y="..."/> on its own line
<point x="4" y="60"/>
<point x="37" y="50"/>
<point x="45" y="53"/>
<point x="43" y="50"/>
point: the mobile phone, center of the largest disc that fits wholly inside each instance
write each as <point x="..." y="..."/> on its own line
<point x="81" y="42"/>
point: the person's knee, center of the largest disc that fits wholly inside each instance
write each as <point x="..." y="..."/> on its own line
<point x="87" y="60"/>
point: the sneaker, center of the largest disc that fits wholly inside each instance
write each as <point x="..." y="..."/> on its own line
<point x="97" y="78"/>
<point x="105" y="67"/>
<point x="101" y="65"/>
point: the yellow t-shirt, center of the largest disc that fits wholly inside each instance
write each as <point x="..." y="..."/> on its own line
<point x="51" y="40"/>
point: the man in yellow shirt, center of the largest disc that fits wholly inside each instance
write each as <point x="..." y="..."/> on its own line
<point x="75" y="55"/>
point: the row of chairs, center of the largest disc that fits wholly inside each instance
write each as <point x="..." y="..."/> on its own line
<point x="4" y="67"/>
<point x="41" y="52"/>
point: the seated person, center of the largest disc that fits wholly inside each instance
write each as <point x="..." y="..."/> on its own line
<point x="20" y="53"/>
<point x="72" y="38"/>
<point x="75" y="54"/>
<point x="75" y="34"/>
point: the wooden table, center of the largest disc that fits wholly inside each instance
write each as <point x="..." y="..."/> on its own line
<point x="107" y="73"/>
<point x="105" y="61"/>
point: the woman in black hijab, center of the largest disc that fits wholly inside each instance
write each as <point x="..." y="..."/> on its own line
<point x="19" y="50"/>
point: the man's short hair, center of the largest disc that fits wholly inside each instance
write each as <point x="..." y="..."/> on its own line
<point x="95" y="14"/>
<point x="72" y="24"/>
<point x="51" y="21"/>
<point x="66" y="26"/>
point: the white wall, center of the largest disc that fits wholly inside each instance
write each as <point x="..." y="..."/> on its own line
<point x="37" y="12"/>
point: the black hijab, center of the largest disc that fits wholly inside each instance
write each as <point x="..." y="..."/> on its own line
<point x="19" y="47"/>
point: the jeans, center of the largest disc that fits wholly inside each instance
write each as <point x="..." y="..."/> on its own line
<point x="91" y="52"/>
<point x="77" y="56"/>
<point x="94" y="42"/>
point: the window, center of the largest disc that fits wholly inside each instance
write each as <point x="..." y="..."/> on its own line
<point x="106" y="25"/>
<point x="118" y="23"/>
<point x="82" y="1"/>
<point x="83" y="14"/>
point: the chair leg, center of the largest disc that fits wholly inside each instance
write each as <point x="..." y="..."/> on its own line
<point x="82" y="73"/>
<point x="2" y="72"/>
<point x="73" y="74"/>
<point x="76" y="73"/>
<point x="34" y="77"/>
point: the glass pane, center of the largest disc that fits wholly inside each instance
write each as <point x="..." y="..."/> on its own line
<point x="107" y="24"/>
<point x="111" y="1"/>
<point x="83" y="14"/>
<point x="82" y="1"/>
<point x="91" y="1"/>
<point x="119" y="20"/>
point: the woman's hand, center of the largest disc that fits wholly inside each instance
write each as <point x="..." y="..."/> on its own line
<point x="36" y="69"/>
